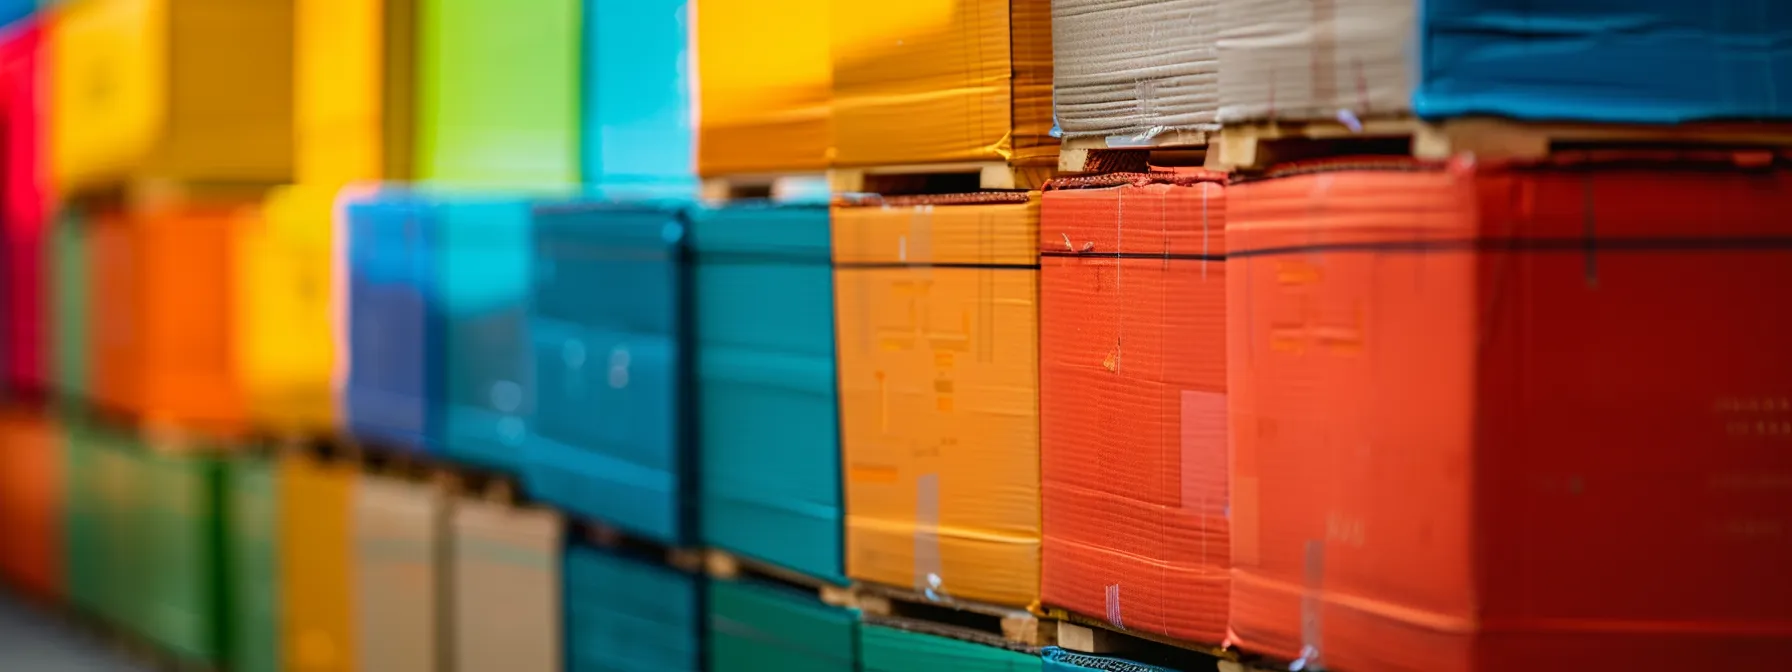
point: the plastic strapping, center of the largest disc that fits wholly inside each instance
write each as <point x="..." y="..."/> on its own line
<point x="1311" y="629"/>
<point x="1113" y="606"/>
<point x="927" y="537"/>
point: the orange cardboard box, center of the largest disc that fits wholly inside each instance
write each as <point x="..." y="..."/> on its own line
<point x="924" y="81"/>
<point x="316" y="543"/>
<point x="31" y="502"/>
<point x="161" y="298"/>
<point x="762" y="77"/>
<point x="937" y="307"/>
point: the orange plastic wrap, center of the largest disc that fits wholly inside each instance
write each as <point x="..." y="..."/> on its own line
<point x="31" y="502"/>
<point x="937" y="311"/>
<point x="1513" y="418"/>
<point x="1132" y="400"/>
<point x="161" y="298"/>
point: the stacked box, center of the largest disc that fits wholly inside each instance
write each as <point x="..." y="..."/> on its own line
<point x="763" y="77"/>
<point x="884" y="649"/>
<point x="316" y="546"/>
<point x="938" y="339"/>
<point x="755" y="627"/>
<point x="608" y="319"/>
<point x="1132" y="396"/>
<point x="31" y="503"/>
<point x="636" y="137"/>
<point x="162" y="323"/>
<point x="629" y="614"/>
<point x="498" y="92"/>
<point x="188" y="90"/>
<point x="1657" y="61"/>
<point x="399" y="556"/>
<point x="285" y="341"/>
<point x="506" y="587"/>
<point x="251" y="564"/>
<point x="1121" y="67"/>
<point x="389" y="377"/>
<point x="958" y="80"/>
<point x="85" y="548"/>
<point x="1453" y="393"/>
<point x="22" y="201"/>
<point x="354" y="101"/>
<point x="482" y="259"/>
<point x="66" y="293"/>
<point x="768" y="413"/>
<point x="179" y="555"/>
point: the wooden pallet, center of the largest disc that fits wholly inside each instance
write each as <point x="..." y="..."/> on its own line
<point x="1258" y="145"/>
<point x="1126" y="155"/>
<point x="993" y="625"/>
<point x="1093" y="635"/>
<point x="601" y="535"/>
<point x="726" y="566"/>
<point x="937" y="178"/>
<point x="775" y="187"/>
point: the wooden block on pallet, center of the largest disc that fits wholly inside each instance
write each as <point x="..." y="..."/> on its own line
<point x="1122" y="154"/>
<point x="937" y="178"/>
<point x="960" y="619"/>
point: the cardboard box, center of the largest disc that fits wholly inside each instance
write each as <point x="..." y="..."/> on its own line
<point x="389" y="267"/>
<point x="506" y="586"/>
<point x="317" y="547"/>
<point x="285" y="345"/>
<point x="625" y="613"/>
<point x="942" y="80"/>
<point x="937" y="307"/>
<point x="191" y="90"/>
<point x="1132" y="401"/>
<point x="891" y="650"/>
<point x="251" y="564"/>
<point x="23" y="194"/>
<point x="766" y="381"/>
<point x="1456" y="389"/>
<point x="759" y="626"/>
<point x="32" y="503"/>
<point x="483" y="254"/>
<point x="637" y="110"/>
<point x="66" y="293"/>
<point x="763" y="77"/>
<point x="1137" y="69"/>
<point x="174" y="553"/>
<point x="355" y="96"/>
<point x="400" y="575"/>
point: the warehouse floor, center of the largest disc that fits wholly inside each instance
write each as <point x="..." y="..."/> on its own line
<point x="31" y="641"/>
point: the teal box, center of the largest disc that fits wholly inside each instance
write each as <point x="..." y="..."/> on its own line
<point x="623" y="614"/>
<point x="637" y="137"/>
<point x="768" y="414"/>
<point x="884" y="649"/>
<point x="484" y="249"/>
<point x="763" y="628"/>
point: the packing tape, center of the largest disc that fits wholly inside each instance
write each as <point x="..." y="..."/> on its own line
<point x="1311" y="602"/>
<point x="927" y="537"/>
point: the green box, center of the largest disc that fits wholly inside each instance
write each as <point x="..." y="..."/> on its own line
<point x="252" y="588"/>
<point x="884" y="649"/>
<point x="65" y="257"/>
<point x="181" y="551"/>
<point x="764" y="628"/>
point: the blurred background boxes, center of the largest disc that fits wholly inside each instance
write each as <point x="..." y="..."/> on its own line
<point x="498" y="92"/>
<point x="623" y="613"/>
<point x="32" y="491"/>
<point x="388" y="236"/>
<point x="285" y="341"/>
<point x="316" y="544"/>
<point x="178" y="557"/>
<point x="195" y="90"/>
<point x="482" y="260"/>
<point x="610" y="321"/>
<point x="942" y="80"/>
<point x="68" y="293"/>
<point x="506" y="587"/>
<point x="1132" y="401"/>
<point x="1134" y="69"/>
<point x="354" y="93"/>
<point x="636" y="137"/>
<point x="1504" y="470"/>
<point x="251" y="564"/>
<point x="755" y="627"/>
<point x="23" y="200"/>
<point x="400" y="574"/>
<point x="766" y="380"/>
<point x="887" y="649"/>
<point x="938" y="342"/>
<point x="763" y="78"/>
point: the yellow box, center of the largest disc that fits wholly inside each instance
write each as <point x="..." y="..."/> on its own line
<point x="926" y="81"/>
<point x="285" y="342"/>
<point x="317" y="599"/>
<point x="762" y="75"/>
<point x="937" y="307"/>
<point x="353" y="92"/>
<point x="192" y="90"/>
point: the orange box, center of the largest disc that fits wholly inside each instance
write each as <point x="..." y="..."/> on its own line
<point x="937" y="307"/>
<point x="31" y="502"/>
<point x="162" y="323"/>
<point x="316" y="542"/>
<point x="1513" y="417"/>
<point x="925" y="81"/>
<point x="762" y="76"/>
<point x="1132" y="401"/>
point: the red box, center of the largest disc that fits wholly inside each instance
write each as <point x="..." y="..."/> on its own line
<point x="1514" y="418"/>
<point x="22" y="204"/>
<point x="1133" y="401"/>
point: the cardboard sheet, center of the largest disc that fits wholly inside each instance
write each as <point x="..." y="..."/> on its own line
<point x="1123" y="67"/>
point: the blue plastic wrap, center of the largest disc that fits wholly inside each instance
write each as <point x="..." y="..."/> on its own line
<point x="623" y="614"/>
<point x="391" y="376"/>
<point x="767" y="408"/>
<point x="637" y="134"/>
<point x="610" y="438"/>
<point x="1644" y="61"/>
<point x="1060" y="660"/>
<point x="483" y="254"/>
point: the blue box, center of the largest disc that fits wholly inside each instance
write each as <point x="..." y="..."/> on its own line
<point x="625" y="614"/>
<point x="610" y="437"/>
<point x="1642" y="61"/>
<point x="637" y="135"/>
<point x="483" y="258"/>
<point x="391" y="376"/>
<point x="767" y="408"/>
